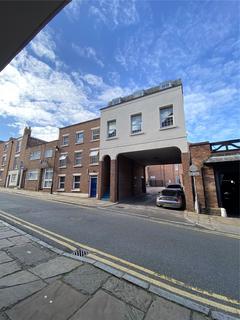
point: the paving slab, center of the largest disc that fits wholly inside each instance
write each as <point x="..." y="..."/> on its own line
<point x="57" y="301"/>
<point x="103" y="306"/>
<point x="8" y="268"/>
<point x="86" y="278"/>
<point x="162" y="309"/>
<point x="138" y="297"/>
<point x="199" y="316"/>
<point x="30" y="255"/>
<point x="20" y="240"/>
<point x="8" y="234"/>
<point x="4" y="243"/>
<point x="12" y="295"/>
<point x="54" y="267"/>
<point x="17" y="278"/>
<point x="4" y="257"/>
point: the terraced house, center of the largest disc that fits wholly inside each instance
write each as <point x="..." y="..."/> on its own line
<point x="107" y="157"/>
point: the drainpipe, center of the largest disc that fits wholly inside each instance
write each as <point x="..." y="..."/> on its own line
<point x="10" y="156"/>
<point x="204" y="189"/>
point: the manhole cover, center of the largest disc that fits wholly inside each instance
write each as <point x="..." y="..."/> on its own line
<point x="80" y="252"/>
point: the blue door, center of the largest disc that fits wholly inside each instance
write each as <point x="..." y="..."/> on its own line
<point x="93" y="187"/>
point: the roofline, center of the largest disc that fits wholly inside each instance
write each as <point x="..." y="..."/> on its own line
<point x="76" y="124"/>
<point x="146" y="92"/>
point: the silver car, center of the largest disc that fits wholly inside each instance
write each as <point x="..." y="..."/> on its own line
<point x="171" y="198"/>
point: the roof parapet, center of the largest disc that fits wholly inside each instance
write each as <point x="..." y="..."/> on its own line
<point x="140" y="93"/>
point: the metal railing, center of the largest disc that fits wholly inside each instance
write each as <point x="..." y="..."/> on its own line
<point x="223" y="146"/>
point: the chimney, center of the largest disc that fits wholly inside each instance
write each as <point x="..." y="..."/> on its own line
<point x="27" y="131"/>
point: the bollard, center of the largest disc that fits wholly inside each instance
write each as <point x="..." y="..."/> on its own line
<point x="223" y="213"/>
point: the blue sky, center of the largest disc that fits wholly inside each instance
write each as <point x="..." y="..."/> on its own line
<point x="94" y="51"/>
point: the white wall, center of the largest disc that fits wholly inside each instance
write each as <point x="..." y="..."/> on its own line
<point x="152" y="136"/>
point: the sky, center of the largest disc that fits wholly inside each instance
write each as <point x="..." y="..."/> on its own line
<point x="94" y="51"/>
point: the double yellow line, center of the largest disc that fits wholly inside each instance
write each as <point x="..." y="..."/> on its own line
<point x="137" y="271"/>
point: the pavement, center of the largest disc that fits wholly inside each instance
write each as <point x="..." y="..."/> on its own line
<point x="216" y="223"/>
<point x="39" y="281"/>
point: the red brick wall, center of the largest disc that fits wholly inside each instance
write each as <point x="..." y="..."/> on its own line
<point x="86" y="167"/>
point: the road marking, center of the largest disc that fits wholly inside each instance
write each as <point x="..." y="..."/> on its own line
<point x="41" y="233"/>
<point x="35" y="228"/>
<point x="151" y="219"/>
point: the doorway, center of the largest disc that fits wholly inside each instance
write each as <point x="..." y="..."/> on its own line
<point x="93" y="186"/>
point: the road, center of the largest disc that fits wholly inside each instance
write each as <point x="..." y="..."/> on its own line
<point x="205" y="260"/>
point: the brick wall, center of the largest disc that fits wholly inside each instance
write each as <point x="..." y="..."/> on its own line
<point x="85" y="169"/>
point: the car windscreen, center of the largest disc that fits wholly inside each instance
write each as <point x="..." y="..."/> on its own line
<point x="174" y="186"/>
<point x="170" y="193"/>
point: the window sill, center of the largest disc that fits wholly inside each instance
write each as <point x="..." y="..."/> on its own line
<point x="165" y="128"/>
<point x="64" y="167"/>
<point x="79" y="142"/>
<point x="76" y="190"/>
<point x="64" y="145"/>
<point x="111" y="138"/>
<point x="94" y="164"/>
<point x="46" y="187"/>
<point x="77" y="166"/>
<point x="137" y="133"/>
<point x="60" y="189"/>
<point x="94" y="140"/>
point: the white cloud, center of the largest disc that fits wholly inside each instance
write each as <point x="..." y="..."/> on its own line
<point x="73" y="9"/>
<point x="43" y="45"/>
<point x="87" y="52"/>
<point x="114" y="13"/>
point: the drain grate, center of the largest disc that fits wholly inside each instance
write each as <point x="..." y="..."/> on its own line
<point x="80" y="252"/>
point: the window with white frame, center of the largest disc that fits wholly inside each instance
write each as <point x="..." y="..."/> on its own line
<point x="95" y="134"/>
<point x="32" y="175"/>
<point x="65" y="140"/>
<point x="5" y="148"/>
<point x="13" y="178"/>
<point x="63" y="160"/>
<point x="76" y="182"/>
<point x="79" y="137"/>
<point x="4" y="160"/>
<point x="15" y="162"/>
<point x="166" y="117"/>
<point x="61" y="182"/>
<point x="35" y="155"/>
<point x="111" y="129"/>
<point x="94" y="156"/>
<point x="48" y="153"/>
<point x="47" y="178"/>
<point x="78" y="158"/>
<point x="18" y="146"/>
<point x="136" y="123"/>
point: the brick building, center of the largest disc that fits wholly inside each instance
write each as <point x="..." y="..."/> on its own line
<point x="77" y="157"/>
<point x="107" y="157"/>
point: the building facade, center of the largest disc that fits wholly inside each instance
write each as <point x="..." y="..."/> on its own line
<point x="113" y="156"/>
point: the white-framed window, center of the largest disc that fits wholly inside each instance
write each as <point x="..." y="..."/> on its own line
<point x="48" y="153"/>
<point x="35" y="155"/>
<point x="18" y="145"/>
<point x="166" y="117"/>
<point x="13" y="178"/>
<point x="63" y="160"/>
<point x="76" y="182"/>
<point x="65" y="140"/>
<point x="136" y="123"/>
<point x="4" y="160"/>
<point x="78" y="158"/>
<point x="47" y="177"/>
<point x="61" y="182"/>
<point x="5" y="148"/>
<point x="32" y="175"/>
<point x="111" y="128"/>
<point x="94" y="156"/>
<point x="95" y="134"/>
<point x="79" y="137"/>
<point x="15" y="162"/>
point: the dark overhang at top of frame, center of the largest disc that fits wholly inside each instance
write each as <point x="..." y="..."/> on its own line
<point x="20" y="21"/>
